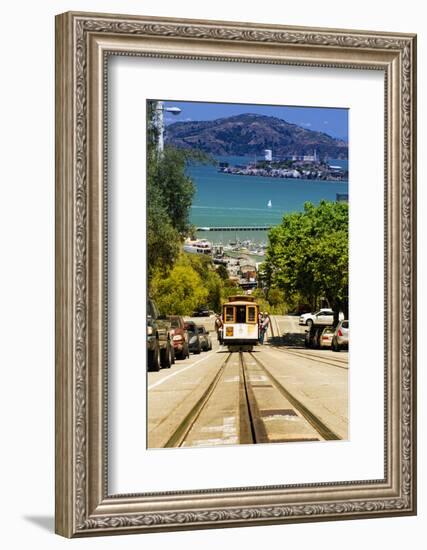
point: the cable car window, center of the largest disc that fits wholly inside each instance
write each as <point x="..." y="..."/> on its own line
<point x="241" y="314"/>
<point x="229" y="314"/>
<point x="251" y="314"/>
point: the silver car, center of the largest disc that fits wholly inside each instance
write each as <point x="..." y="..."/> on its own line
<point x="205" y="339"/>
<point x="341" y="336"/>
<point x="307" y="318"/>
<point x="324" y="317"/>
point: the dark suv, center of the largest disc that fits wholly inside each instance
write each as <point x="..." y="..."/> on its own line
<point x="159" y="347"/>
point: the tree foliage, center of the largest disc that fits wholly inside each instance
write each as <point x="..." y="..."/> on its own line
<point x="191" y="283"/>
<point x="307" y="255"/>
<point x="181" y="292"/>
<point x="169" y="196"/>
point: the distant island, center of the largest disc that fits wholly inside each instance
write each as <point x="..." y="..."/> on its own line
<point x="307" y="168"/>
<point x="250" y="134"/>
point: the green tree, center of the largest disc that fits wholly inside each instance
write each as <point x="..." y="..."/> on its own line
<point x="307" y="255"/>
<point x="175" y="189"/>
<point x="222" y="272"/>
<point x="275" y="297"/>
<point x="180" y="293"/>
<point x="163" y="240"/>
<point x="169" y="197"/>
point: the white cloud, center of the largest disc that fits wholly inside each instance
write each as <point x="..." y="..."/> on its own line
<point x="307" y="124"/>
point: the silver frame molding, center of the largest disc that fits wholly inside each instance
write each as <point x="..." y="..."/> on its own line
<point x="83" y="43"/>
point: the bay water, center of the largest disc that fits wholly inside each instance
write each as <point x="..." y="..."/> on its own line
<point x="233" y="200"/>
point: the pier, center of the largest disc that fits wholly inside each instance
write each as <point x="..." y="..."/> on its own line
<point x="236" y="228"/>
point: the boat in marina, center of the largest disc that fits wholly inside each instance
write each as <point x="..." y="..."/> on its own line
<point x="198" y="246"/>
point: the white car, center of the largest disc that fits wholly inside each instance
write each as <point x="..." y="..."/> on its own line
<point x="306" y="317"/>
<point x="324" y="316"/>
<point x="341" y="336"/>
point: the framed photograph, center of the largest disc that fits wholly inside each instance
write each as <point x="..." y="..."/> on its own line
<point x="228" y="196"/>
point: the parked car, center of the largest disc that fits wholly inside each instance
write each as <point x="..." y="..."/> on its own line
<point x="318" y="336"/>
<point x="341" y="336"/>
<point x="325" y="337"/>
<point x="194" y="343"/>
<point x="205" y="339"/>
<point x="309" y="316"/>
<point x="179" y="337"/>
<point x="202" y="312"/>
<point x="322" y="317"/>
<point x="159" y="347"/>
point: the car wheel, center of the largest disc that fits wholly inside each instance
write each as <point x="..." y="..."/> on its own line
<point x="153" y="359"/>
<point x="198" y="350"/>
<point x="309" y="323"/>
<point x="166" y="356"/>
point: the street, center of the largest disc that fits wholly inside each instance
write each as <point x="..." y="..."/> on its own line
<point x="280" y="392"/>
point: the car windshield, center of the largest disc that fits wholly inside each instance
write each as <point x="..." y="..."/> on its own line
<point x="175" y="323"/>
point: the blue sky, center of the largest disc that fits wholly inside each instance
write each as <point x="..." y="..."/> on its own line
<point x="330" y="121"/>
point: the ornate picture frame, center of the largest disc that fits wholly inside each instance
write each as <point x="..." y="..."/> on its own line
<point x="84" y="42"/>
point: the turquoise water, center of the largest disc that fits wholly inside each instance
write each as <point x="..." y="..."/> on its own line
<point x="232" y="200"/>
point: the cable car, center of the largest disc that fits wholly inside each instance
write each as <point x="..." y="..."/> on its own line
<point x="240" y="331"/>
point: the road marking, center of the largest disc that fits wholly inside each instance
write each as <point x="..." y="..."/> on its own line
<point x="286" y="417"/>
<point x="204" y="443"/>
<point x="178" y="372"/>
<point x="211" y="428"/>
<point x="258" y="378"/>
<point x="229" y="433"/>
<point x="233" y="379"/>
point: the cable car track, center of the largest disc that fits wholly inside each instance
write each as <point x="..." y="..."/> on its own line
<point x="313" y="357"/>
<point x="179" y="436"/>
<point x="261" y="398"/>
<point x="335" y="362"/>
<point x="308" y="415"/>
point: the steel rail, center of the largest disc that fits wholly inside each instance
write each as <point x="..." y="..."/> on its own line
<point x="179" y="436"/>
<point x="340" y="364"/>
<point x="248" y="401"/>
<point x="311" y="418"/>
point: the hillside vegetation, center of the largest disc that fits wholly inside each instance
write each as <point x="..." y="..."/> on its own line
<point x="250" y="134"/>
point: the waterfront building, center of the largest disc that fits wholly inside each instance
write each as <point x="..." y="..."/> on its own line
<point x="268" y="155"/>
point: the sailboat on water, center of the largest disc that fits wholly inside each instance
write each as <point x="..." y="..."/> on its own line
<point x="269" y="205"/>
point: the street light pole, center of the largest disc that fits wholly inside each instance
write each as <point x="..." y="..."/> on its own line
<point x="159" y="123"/>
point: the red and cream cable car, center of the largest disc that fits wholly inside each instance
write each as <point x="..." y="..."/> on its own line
<point x="240" y="329"/>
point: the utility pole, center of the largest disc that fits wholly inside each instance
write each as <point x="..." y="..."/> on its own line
<point x="159" y="123"/>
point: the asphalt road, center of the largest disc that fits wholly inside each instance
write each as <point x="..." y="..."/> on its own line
<point x="280" y="392"/>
